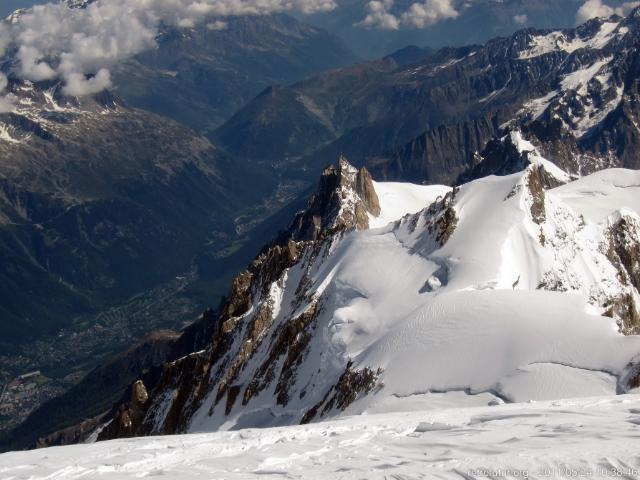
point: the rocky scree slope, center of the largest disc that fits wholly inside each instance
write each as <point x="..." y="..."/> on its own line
<point x="424" y="118"/>
<point x="515" y="287"/>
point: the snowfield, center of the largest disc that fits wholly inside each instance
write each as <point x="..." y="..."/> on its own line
<point x="586" y="438"/>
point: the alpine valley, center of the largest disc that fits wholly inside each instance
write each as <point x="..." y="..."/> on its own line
<point x="116" y="220"/>
<point x="457" y="297"/>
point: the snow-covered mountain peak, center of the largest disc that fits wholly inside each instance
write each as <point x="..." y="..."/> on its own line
<point x="595" y="34"/>
<point x="497" y="288"/>
<point x="40" y="112"/>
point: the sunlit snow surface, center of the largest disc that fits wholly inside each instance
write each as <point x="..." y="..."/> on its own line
<point x="597" y="437"/>
<point x="399" y="199"/>
<point x="467" y="317"/>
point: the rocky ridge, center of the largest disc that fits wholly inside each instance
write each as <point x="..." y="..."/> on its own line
<point x="261" y="336"/>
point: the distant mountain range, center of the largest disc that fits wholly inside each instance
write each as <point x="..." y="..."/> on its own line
<point x="423" y="116"/>
<point x="476" y="22"/>
<point x="201" y="76"/>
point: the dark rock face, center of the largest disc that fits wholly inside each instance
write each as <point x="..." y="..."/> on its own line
<point x="131" y="415"/>
<point x="625" y="309"/>
<point x="247" y="316"/>
<point x="72" y="435"/>
<point x="364" y="187"/>
<point x="536" y="189"/>
<point x="499" y="157"/>
<point x="625" y="249"/>
<point x="438" y="155"/>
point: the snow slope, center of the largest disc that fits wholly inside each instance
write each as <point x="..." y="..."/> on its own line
<point x="584" y="438"/>
<point x="399" y="199"/>
<point x="500" y="290"/>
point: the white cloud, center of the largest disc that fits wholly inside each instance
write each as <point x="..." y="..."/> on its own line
<point x="379" y="16"/>
<point x="5" y="38"/>
<point x="520" y="19"/>
<point x="32" y="67"/>
<point x="217" y="25"/>
<point x="78" y="84"/>
<point x="595" y="8"/>
<point x="421" y="15"/>
<point x="418" y="15"/>
<point x="6" y="101"/>
<point x="79" y="45"/>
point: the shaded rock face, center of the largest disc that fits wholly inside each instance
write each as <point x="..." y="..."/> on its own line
<point x="625" y="248"/>
<point x="499" y="157"/>
<point x="624" y="254"/>
<point x="259" y="342"/>
<point x="624" y="309"/>
<point x="364" y="188"/>
<point x="440" y="217"/>
<point x="445" y="225"/>
<point x="72" y="435"/>
<point x="128" y="417"/>
<point x="351" y="385"/>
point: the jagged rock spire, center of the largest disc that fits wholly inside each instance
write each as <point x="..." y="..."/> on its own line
<point x="344" y="197"/>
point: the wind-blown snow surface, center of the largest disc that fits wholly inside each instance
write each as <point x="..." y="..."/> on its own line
<point x="585" y="438"/>
<point x="399" y="199"/>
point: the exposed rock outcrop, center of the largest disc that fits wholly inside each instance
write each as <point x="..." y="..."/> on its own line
<point x="535" y="185"/>
<point x="344" y="198"/>
<point x="624" y="254"/>
<point x="351" y="385"/>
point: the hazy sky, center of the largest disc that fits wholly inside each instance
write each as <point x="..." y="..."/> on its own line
<point x="8" y="6"/>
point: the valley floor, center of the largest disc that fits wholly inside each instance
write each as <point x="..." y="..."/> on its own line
<point x="596" y="437"/>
